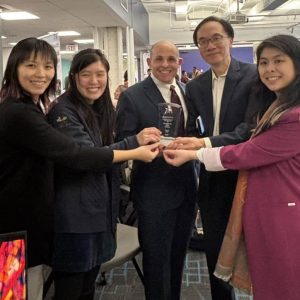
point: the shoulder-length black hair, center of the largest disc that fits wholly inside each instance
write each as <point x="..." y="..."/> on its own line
<point x="22" y="51"/>
<point x="101" y="115"/>
<point x="289" y="97"/>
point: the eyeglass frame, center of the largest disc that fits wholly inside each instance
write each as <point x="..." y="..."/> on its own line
<point x="216" y="39"/>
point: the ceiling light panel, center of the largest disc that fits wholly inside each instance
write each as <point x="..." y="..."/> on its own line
<point x="17" y="15"/>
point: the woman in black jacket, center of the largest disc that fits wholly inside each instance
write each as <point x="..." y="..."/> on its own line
<point x="28" y="145"/>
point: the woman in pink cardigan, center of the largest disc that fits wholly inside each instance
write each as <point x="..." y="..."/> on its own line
<point x="270" y="214"/>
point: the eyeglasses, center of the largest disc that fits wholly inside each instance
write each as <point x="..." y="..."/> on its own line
<point x="215" y="40"/>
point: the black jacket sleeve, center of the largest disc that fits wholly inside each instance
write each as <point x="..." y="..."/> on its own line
<point x="25" y="126"/>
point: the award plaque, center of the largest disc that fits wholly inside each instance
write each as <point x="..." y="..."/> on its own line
<point x="168" y="121"/>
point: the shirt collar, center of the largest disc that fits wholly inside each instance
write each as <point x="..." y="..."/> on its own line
<point x="162" y="84"/>
<point x="214" y="76"/>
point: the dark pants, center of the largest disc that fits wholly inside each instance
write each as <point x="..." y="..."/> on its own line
<point x="75" y="286"/>
<point x="164" y="237"/>
<point x="216" y="194"/>
<point x="220" y="290"/>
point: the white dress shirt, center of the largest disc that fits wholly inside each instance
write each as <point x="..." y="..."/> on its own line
<point x="218" y="83"/>
<point x="164" y="89"/>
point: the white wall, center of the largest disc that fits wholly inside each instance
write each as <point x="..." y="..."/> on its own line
<point x="5" y="53"/>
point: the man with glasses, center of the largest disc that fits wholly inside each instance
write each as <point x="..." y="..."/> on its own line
<point x="217" y="101"/>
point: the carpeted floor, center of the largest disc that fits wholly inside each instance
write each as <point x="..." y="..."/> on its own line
<point x="124" y="284"/>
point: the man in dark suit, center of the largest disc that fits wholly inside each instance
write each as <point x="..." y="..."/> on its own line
<point x="163" y="195"/>
<point x="217" y="102"/>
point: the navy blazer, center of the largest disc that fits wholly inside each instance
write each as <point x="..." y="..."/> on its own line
<point x="155" y="185"/>
<point x="83" y="198"/>
<point x="235" y="100"/>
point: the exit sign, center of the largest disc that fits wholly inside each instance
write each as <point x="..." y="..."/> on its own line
<point x="73" y="48"/>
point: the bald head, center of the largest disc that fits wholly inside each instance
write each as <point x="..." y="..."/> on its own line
<point x="164" y="44"/>
<point x="164" y="61"/>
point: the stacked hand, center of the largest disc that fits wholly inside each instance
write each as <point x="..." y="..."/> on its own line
<point x="148" y="152"/>
<point x="176" y="153"/>
<point x="148" y="135"/>
<point x="178" y="157"/>
<point x="187" y="143"/>
<point x="179" y="151"/>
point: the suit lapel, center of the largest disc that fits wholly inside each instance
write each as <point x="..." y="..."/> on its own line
<point x="232" y="79"/>
<point x="152" y="92"/>
<point x="205" y="106"/>
<point x="181" y="87"/>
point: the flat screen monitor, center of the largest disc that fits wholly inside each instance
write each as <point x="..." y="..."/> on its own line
<point x="13" y="276"/>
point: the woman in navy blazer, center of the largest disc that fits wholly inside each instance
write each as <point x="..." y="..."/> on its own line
<point x="86" y="203"/>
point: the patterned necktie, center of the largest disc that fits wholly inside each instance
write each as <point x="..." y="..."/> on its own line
<point x="175" y="99"/>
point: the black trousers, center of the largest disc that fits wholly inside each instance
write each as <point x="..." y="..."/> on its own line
<point x="75" y="286"/>
<point x="215" y="201"/>
<point x="164" y="237"/>
<point x="220" y="290"/>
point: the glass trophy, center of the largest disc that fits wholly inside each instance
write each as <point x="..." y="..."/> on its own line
<point x="168" y="121"/>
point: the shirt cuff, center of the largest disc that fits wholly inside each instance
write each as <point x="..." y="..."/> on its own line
<point x="210" y="157"/>
<point x="207" y="142"/>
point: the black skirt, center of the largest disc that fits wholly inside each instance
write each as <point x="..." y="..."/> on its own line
<point x="80" y="252"/>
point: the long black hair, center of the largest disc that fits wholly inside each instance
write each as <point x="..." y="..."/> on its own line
<point x="21" y="52"/>
<point x="261" y="98"/>
<point x="289" y="97"/>
<point x="101" y="114"/>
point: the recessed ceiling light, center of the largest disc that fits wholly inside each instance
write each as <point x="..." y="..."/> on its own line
<point x="66" y="33"/>
<point x="17" y="15"/>
<point x="3" y="37"/>
<point x="84" y="41"/>
<point x="13" y="44"/>
<point x="181" y="9"/>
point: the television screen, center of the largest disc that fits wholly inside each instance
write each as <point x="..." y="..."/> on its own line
<point x="13" y="281"/>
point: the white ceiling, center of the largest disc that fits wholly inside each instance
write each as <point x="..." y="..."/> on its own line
<point x="83" y="16"/>
<point x="57" y="15"/>
<point x="264" y="18"/>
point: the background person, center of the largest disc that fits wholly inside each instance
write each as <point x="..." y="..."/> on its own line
<point x="163" y="195"/>
<point x="217" y="103"/>
<point x="58" y="87"/>
<point x="86" y="203"/>
<point x="196" y="72"/>
<point x="184" y="77"/>
<point x="125" y="76"/>
<point x="27" y="146"/>
<point x="119" y="90"/>
<point x="270" y="214"/>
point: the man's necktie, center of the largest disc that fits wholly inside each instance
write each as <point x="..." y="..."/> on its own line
<point x="175" y="99"/>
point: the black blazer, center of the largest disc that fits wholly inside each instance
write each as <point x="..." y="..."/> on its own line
<point x="156" y="185"/>
<point x="237" y="92"/>
<point x="28" y="145"/>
